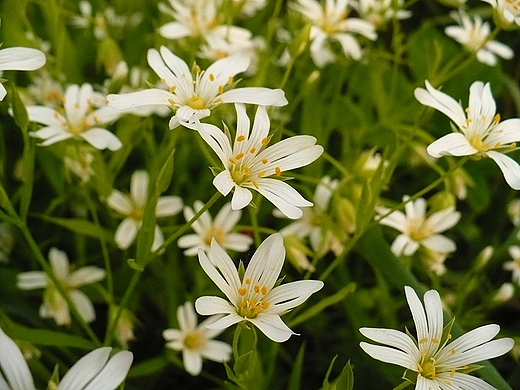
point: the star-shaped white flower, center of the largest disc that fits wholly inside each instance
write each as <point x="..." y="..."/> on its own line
<point x="195" y="340"/>
<point x="378" y="12"/>
<point x="248" y="162"/>
<point x="331" y="22"/>
<point x="474" y="36"/>
<point x="254" y="297"/>
<point x="132" y="207"/>
<point x="507" y="12"/>
<point x="479" y="130"/>
<point x="193" y="98"/>
<point x="514" y="265"/>
<point x="417" y="229"/>
<point x="19" y="58"/>
<point x="438" y="363"/>
<point x="219" y="229"/>
<point x="96" y="370"/>
<point x="311" y="223"/>
<point x="54" y="305"/>
<point x="78" y="119"/>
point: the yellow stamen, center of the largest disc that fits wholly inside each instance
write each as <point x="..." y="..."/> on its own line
<point x="172" y="89"/>
<point x="277" y="171"/>
<point x="264" y="290"/>
<point x="255" y="184"/>
<point x="211" y="77"/>
<point x="252" y="150"/>
<point x="242" y="291"/>
<point x="240" y="138"/>
<point x="230" y="80"/>
<point x="220" y="89"/>
<point x="239" y="156"/>
<point x="265" y="161"/>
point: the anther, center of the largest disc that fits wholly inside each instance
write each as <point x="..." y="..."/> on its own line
<point x="241" y="137"/>
<point x="173" y="88"/>
<point x="220" y="89"/>
<point x="242" y="291"/>
<point x="265" y="161"/>
<point x="239" y="156"/>
<point x="255" y="184"/>
<point x="277" y="171"/>
<point x="211" y="77"/>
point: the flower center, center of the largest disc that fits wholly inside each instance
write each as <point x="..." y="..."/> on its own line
<point x="479" y="144"/>
<point x="253" y="301"/>
<point x="196" y="103"/>
<point x="137" y="214"/>
<point x="194" y="340"/>
<point x="418" y="230"/>
<point x="215" y="233"/>
<point x="427" y="369"/>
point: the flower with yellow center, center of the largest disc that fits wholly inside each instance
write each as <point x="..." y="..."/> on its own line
<point x="506" y="13"/>
<point x="196" y="341"/>
<point x="473" y="35"/>
<point x="132" y="206"/>
<point x="207" y="229"/>
<point x="249" y="164"/>
<point x="54" y="305"/>
<point x="436" y="362"/>
<point x="417" y="229"/>
<point x="78" y="119"/>
<point x="193" y="97"/>
<point x="479" y="130"/>
<point x="253" y="297"/>
<point x="331" y="21"/>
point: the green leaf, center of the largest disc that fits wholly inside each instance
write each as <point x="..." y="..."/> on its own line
<point x="80" y="226"/>
<point x="19" y="111"/>
<point x="165" y="174"/>
<point x="148" y="367"/>
<point x="345" y="380"/>
<point x="48" y="337"/>
<point x="243" y="363"/>
<point x="296" y="373"/>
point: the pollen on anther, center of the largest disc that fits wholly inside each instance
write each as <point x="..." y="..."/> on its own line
<point x="264" y="290"/>
<point x="211" y="77"/>
<point x="435" y="340"/>
<point x="220" y="89"/>
<point x="255" y="184"/>
<point x="252" y="150"/>
<point x="423" y="340"/>
<point x="248" y="281"/>
<point x="242" y="291"/>
<point x="261" y="174"/>
<point x="247" y="171"/>
<point x="265" y="141"/>
<point x="265" y="161"/>
<point x="242" y="304"/>
<point x="172" y="89"/>
<point x="497" y="118"/>
<point x="197" y="69"/>
<point x="232" y="160"/>
<point x="277" y="171"/>
<point x="241" y="137"/>
<point x="230" y="80"/>
<point x="265" y="305"/>
<point x="239" y="156"/>
<point x="171" y="101"/>
<point x="256" y="288"/>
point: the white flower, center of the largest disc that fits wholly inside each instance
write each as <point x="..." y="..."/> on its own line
<point x="80" y="163"/>
<point x="54" y="305"/>
<point x="439" y="364"/>
<point x="479" y="130"/>
<point x="96" y="370"/>
<point x="219" y="229"/>
<point x="76" y="120"/>
<point x="194" y="99"/>
<point x="514" y="265"/>
<point x="19" y="58"/>
<point x="193" y="18"/>
<point x="195" y="341"/>
<point x="417" y="229"/>
<point x="513" y="211"/>
<point x="331" y="22"/>
<point x="506" y="11"/>
<point x="132" y="206"/>
<point x="311" y="223"/>
<point x="474" y="36"/>
<point x="378" y="12"/>
<point x="249" y="7"/>
<point x="248" y="163"/>
<point x="254" y="297"/>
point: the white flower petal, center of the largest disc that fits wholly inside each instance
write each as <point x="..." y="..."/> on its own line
<point x="192" y="361"/>
<point x="21" y="58"/>
<point x="13" y="365"/>
<point x="389" y="355"/>
<point x="168" y="206"/>
<point x="289" y="295"/>
<point x="120" y="202"/>
<point x="101" y="139"/>
<point x="453" y="144"/>
<point x="241" y="196"/>
<point x="31" y="280"/>
<point x="440" y="101"/>
<point x="273" y="327"/>
<point x="255" y="95"/>
<point x="284" y="197"/>
<point x="227" y="279"/>
<point x="113" y="373"/>
<point x="509" y="167"/>
<point x="439" y="243"/>
<point x="146" y="97"/>
<point x="217" y="351"/>
<point x="83" y="304"/>
<point x="126" y="233"/>
<point x="85" y="369"/>
<point x="85" y="275"/>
